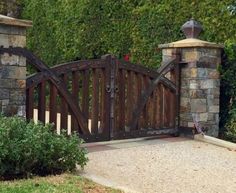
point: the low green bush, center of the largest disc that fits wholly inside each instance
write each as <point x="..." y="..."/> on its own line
<point x="231" y="126"/>
<point x="231" y="133"/>
<point x="29" y="149"/>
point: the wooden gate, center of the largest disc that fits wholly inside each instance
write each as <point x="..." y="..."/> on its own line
<point x="105" y="98"/>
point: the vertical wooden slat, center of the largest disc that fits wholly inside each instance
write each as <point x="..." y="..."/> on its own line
<point x="102" y="93"/>
<point x="53" y="105"/>
<point x="64" y="108"/>
<point x="29" y="103"/>
<point x="154" y="108"/>
<point x="166" y="107"/>
<point x="121" y="100"/>
<point x="149" y="105"/>
<point x="42" y="101"/>
<point x="161" y="104"/>
<point x="177" y="95"/>
<point x="158" y="107"/>
<point x="129" y="96"/>
<point x="107" y="98"/>
<point x="145" y="109"/>
<point x="138" y="80"/>
<point x="85" y="94"/>
<point x="172" y="110"/>
<point x="150" y="110"/>
<point x="172" y="99"/>
<point x="75" y="94"/>
<point x="95" y="101"/>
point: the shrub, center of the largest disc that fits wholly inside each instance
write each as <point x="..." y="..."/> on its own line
<point x="231" y="133"/>
<point x="28" y="149"/>
<point x="231" y="126"/>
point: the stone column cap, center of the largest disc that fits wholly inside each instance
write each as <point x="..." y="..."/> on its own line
<point x="191" y="43"/>
<point x="14" y="22"/>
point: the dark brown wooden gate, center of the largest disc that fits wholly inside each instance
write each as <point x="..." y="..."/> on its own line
<point x="105" y="98"/>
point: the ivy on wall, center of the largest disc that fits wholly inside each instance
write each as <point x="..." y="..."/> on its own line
<point x="75" y="29"/>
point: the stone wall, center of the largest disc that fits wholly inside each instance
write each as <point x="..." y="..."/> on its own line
<point x="200" y="88"/>
<point x="199" y="83"/>
<point x="12" y="67"/>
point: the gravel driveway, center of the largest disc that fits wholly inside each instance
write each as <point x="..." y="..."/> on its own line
<point x="163" y="165"/>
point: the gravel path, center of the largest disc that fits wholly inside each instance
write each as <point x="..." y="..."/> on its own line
<point x="163" y="165"/>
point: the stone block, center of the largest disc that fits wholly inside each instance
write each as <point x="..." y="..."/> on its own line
<point x="5" y="59"/>
<point x="190" y="124"/>
<point x="183" y="123"/>
<point x="203" y="117"/>
<point x="210" y="100"/>
<point x="206" y="84"/>
<point x="193" y="84"/>
<point x="211" y="117"/>
<point x="7" y="83"/>
<point x="214" y="109"/>
<point x="184" y="104"/>
<point x="186" y="116"/>
<point x="22" y="61"/>
<point x="208" y="61"/>
<point x="202" y="73"/>
<point x="20" y="83"/>
<point x="184" y="83"/>
<point x="184" y="93"/>
<point x="189" y="54"/>
<point x="214" y="74"/>
<point x="198" y="105"/>
<point x="4" y="93"/>
<point x="197" y="93"/>
<point x="17" y="41"/>
<point x="13" y="72"/>
<point x="12" y="30"/>
<point x="4" y="40"/>
<point x="10" y="110"/>
<point x="216" y="102"/>
<point x="21" y="111"/>
<point x="167" y="52"/>
<point x="185" y="72"/>
<point x="214" y="91"/>
<point x="184" y="101"/>
<point x="193" y="72"/>
<point x="5" y="102"/>
<point x="17" y="95"/>
<point x="166" y="58"/>
<point x="208" y="52"/>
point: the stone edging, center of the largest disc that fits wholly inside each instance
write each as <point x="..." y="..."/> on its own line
<point x="215" y="141"/>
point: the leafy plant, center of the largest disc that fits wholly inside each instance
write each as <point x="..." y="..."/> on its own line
<point x="228" y="87"/>
<point x="33" y="149"/>
<point x="231" y="126"/>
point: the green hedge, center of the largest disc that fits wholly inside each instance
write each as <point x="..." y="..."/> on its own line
<point x="77" y="29"/>
<point x="33" y="149"/>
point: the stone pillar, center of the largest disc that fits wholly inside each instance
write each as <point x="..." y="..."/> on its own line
<point x="12" y="68"/>
<point x="200" y="81"/>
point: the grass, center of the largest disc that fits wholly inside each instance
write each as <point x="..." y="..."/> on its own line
<point x="65" y="183"/>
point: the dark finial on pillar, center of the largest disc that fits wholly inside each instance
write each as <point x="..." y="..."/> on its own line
<point x="191" y="29"/>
